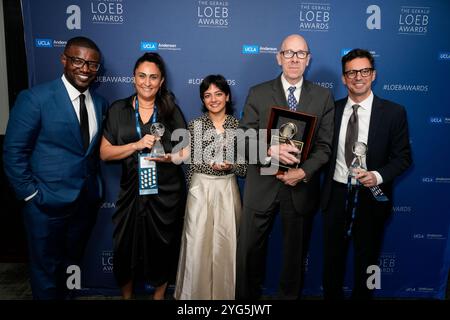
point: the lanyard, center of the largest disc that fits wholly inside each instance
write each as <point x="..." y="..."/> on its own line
<point x="351" y="202"/>
<point x="136" y="111"/>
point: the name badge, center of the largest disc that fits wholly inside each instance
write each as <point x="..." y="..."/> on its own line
<point x="148" y="177"/>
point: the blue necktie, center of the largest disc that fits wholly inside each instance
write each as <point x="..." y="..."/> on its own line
<point x="292" y="102"/>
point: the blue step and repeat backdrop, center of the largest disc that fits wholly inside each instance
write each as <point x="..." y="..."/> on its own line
<point x="410" y="40"/>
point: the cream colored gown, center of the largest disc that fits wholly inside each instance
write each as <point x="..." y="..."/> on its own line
<point x="207" y="263"/>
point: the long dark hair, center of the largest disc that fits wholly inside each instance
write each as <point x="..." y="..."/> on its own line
<point x="165" y="100"/>
<point x="220" y="82"/>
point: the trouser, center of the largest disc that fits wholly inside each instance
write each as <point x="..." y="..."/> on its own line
<point x="366" y="234"/>
<point x="56" y="240"/>
<point x="252" y="248"/>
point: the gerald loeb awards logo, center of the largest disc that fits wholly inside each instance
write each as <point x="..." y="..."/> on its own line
<point x="213" y="14"/>
<point x="107" y="261"/>
<point x="414" y="20"/>
<point x="107" y="11"/>
<point x="315" y="16"/>
<point x="387" y="263"/>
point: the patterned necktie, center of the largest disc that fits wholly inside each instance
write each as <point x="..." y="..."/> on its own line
<point x="352" y="135"/>
<point x="292" y="102"/>
<point x="84" y="122"/>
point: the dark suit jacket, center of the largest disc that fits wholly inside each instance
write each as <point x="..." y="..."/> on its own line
<point x="43" y="148"/>
<point x="260" y="190"/>
<point x="388" y="151"/>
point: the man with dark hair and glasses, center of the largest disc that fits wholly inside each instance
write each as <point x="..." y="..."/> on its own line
<point x="295" y="193"/>
<point x="357" y="208"/>
<point x="51" y="159"/>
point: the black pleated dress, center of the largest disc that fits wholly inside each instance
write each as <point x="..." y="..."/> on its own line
<point x="147" y="228"/>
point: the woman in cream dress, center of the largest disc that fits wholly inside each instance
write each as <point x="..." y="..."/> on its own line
<point x="207" y="263"/>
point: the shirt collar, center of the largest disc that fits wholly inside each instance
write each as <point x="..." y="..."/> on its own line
<point x="71" y="90"/>
<point x="286" y="84"/>
<point x="366" y="104"/>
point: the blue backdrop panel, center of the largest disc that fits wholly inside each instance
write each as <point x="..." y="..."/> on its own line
<point x="411" y="43"/>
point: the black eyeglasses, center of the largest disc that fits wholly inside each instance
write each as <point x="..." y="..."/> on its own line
<point x="79" y="63"/>
<point x="353" y="73"/>
<point x="288" y="54"/>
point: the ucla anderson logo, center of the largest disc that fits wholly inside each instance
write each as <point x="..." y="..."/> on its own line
<point x="250" y="49"/>
<point x="444" y="55"/>
<point x="345" y="51"/>
<point x="436" y="120"/>
<point x="44" y="43"/>
<point x="149" y="46"/>
<point x="154" y="46"/>
<point x="257" y="49"/>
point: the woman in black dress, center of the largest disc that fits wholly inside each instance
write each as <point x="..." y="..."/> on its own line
<point x="147" y="227"/>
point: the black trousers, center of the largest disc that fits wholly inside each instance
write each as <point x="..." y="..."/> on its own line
<point x="367" y="236"/>
<point x="252" y="249"/>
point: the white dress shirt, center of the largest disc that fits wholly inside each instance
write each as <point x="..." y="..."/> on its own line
<point x="286" y="85"/>
<point x="74" y="95"/>
<point x="364" y="112"/>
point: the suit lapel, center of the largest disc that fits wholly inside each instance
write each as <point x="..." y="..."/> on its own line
<point x="375" y="120"/>
<point x="305" y="97"/>
<point x="339" y="112"/>
<point x="98" y="117"/>
<point x="278" y="94"/>
<point x="65" y="105"/>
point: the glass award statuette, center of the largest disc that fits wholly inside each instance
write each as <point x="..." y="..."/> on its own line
<point x="219" y="146"/>
<point x="157" y="129"/>
<point x="360" y="151"/>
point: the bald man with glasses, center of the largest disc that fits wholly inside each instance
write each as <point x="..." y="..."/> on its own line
<point x="295" y="193"/>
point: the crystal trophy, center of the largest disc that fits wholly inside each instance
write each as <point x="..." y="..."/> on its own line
<point x="219" y="146"/>
<point x="360" y="151"/>
<point x="157" y="129"/>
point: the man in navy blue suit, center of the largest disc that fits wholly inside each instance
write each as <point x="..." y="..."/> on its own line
<point x="352" y="212"/>
<point x="51" y="160"/>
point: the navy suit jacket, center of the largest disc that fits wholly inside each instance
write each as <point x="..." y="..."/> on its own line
<point x="388" y="148"/>
<point x="43" y="149"/>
